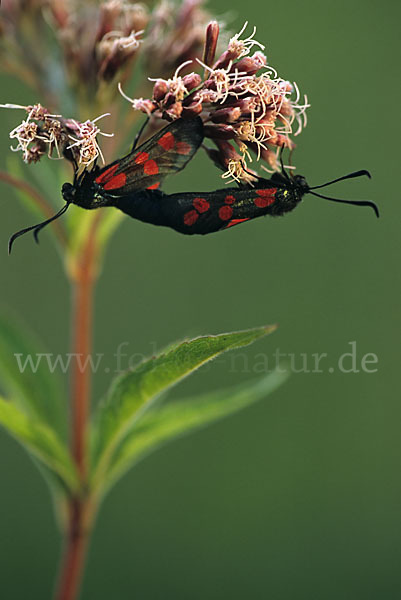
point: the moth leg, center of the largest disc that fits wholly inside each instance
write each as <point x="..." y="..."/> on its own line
<point x="140" y="132"/>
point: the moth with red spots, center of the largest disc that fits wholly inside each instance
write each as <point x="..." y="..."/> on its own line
<point x="142" y="169"/>
<point x="131" y="184"/>
<point x="206" y="212"/>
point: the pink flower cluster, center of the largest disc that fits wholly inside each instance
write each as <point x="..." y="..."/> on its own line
<point x="240" y="99"/>
<point x="248" y="111"/>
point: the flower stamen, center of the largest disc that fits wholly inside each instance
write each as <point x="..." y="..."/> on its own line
<point x="223" y="80"/>
<point x="89" y="148"/>
<point x="242" y="47"/>
<point x="176" y="85"/>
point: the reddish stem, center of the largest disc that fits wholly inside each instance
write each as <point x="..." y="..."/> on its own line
<point x="74" y="554"/>
<point x="80" y="508"/>
<point x="82" y="342"/>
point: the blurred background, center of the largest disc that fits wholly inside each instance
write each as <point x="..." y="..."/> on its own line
<point x="298" y="496"/>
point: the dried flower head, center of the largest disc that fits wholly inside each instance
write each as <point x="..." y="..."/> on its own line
<point x="85" y="140"/>
<point x="42" y="131"/>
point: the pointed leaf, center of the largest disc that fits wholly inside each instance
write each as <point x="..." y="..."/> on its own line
<point x="27" y="377"/>
<point x="133" y="392"/>
<point x="164" y="423"/>
<point x="40" y="440"/>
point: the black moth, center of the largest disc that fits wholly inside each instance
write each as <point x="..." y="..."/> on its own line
<point x="131" y="184"/>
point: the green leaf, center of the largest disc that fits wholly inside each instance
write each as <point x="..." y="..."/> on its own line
<point x="41" y="441"/>
<point x="164" y="423"/>
<point x="133" y="392"/>
<point x="28" y="379"/>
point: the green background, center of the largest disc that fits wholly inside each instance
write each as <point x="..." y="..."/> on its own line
<point x="299" y="496"/>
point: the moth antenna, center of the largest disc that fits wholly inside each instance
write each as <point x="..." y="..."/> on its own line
<point x="251" y="183"/>
<point x="35" y="228"/>
<point x="290" y="162"/>
<point x="354" y="202"/>
<point x="349" y="176"/>
<point x="41" y="225"/>
<point x="282" y="164"/>
<point x="75" y="165"/>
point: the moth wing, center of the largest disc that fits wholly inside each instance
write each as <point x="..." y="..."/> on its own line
<point x="165" y="153"/>
<point x="198" y="213"/>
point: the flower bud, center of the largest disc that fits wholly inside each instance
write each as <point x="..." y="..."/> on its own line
<point x="191" y="81"/>
<point x="160" y="89"/>
<point x="224" y="60"/>
<point x="208" y="96"/>
<point x="224" y="155"/>
<point x="212" y="34"/>
<point x="227" y="151"/>
<point x="169" y="99"/>
<point x="250" y="64"/>
<point x="222" y="132"/>
<point x="281" y="141"/>
<point x="226" y="115"/>
<point x="174" y="111"/>
<point x="192" y="110"/>
<point x="246" y="105"/>
<point x="144" y="105"/>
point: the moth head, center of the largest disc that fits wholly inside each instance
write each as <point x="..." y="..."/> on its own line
<point x="300" y="183"/>
<point x="68" y="192"/>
